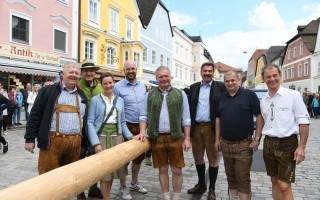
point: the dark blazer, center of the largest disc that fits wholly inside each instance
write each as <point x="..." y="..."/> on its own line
<point x="38" y="125"/>
<point x="217" y="88"/>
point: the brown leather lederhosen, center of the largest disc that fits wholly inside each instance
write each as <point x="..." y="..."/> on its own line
<point x="64" y="148"/>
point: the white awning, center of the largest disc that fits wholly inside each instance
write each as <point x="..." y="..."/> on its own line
<point x="27" y="71"/>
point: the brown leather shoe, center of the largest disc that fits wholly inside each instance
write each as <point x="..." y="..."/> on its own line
<point x="211" y="195"/>
<point x="198" y="189"/>
<point x="81" y="196"/>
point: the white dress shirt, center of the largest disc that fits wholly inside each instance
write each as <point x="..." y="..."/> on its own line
<point x="283" y="113"/>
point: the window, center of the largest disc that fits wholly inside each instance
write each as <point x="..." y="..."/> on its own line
<point x="145" y="55"/>
<point x="301" y="49"/>
<point x="20" y="28"/>
<point x="289" y="55"/>
<point x="305" y="69"/>
<point x="89" y="51"/>
<point x="94" y="11"/>
<point x="154" y="57"/>
<point x="114" y="21"/>
<point x="288" y="73"/>
<point x="137" y="59"/>
<point x="111" y="55"/>
<point x="185" y="74"/>
<point x="194" y="77"/>
<point x="295" y="52"/>
<point x="176" y="72"/>
<point x="299" y="70"/>
<point x="168" y="62"/>
<point x="319" y="68"/>
<point x="126" y="55"/>
<point x="180" y="73"/>
<point x="194" y="58"/>
<point x="292" y="72"/>
<point x="129" y="29"/>
<point x="60" y="40"/>
<point x="177" y="48"/>
<point x="161" y="59"/>
<point x="186" y="53"/>
<point x="284" y="74"/>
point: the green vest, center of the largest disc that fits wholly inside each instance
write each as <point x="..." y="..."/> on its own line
<point x="174" y="102"/>
<point x="90" y="91"/>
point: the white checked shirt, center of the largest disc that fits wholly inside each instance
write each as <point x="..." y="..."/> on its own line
<point x="283" y="113"/>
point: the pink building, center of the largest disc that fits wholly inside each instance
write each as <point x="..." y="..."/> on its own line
<point x="36" y="39"/>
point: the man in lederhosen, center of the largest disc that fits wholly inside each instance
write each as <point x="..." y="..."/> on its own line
<point x="58" y="121"/>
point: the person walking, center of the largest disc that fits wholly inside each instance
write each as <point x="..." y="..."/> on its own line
<point x="203" y="96"/>
<point x="132" y="91"/>
<point x="234" y="128"/>
<point x="4" y="104"/>
<point x="165" y="118"/>
<point x="4" y="112"/>
<point x="58" y="121"/>
<point x="285" y="117"/>
<point x="12" y="106"/>
<point x="316" y="105"/>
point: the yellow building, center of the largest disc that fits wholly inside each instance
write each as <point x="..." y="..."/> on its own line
<point x="109" y="34"/>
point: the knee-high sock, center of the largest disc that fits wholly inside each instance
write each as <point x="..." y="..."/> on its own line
<point x="201" y="170"/>
<point x="213" y="174"/>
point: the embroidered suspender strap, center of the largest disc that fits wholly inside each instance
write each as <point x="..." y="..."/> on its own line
<point x="67" y="109"/>
<point x="109" y="114"/>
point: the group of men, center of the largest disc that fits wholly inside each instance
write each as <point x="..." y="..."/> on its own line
<point x="216" y="116"/>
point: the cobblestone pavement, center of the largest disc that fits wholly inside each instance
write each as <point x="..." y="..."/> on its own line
<point x="18" y="165"/>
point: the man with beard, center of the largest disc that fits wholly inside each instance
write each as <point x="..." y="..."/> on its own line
<point x="203" y="100"/>
<point x="132" y="91"/>
<point x="91" y="87"/>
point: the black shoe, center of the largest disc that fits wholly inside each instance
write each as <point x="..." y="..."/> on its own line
<point x="19" y="124"/>
<point x="198" y="189"/>
<point x="81" y="196"/>
<point x="5" y="147"/>
<point x="211" y="195"/>
<point x="96" y="193"/>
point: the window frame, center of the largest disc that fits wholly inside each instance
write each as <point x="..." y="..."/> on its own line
<point x="59" y="28"/>
<point x="94" y="22"/>
<point x="94" y="49"/>
<point x="301" y="49"/>
<point x="299" y="70"/>
<point x="25" y="17"/>
<point x="153" y="57"/>
<point x="110" y="59"/>
<point x="305" y="69"/>
<point x="128" y="19"/>
<point x="292" y="72"/>
<point x="111" y="28"/>
<point x="138" y="62"/>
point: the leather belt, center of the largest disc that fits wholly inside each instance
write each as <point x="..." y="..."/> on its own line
<point x="237" y="141"/>
<point x="64" y="135"/>
<point x="203" y="123"/>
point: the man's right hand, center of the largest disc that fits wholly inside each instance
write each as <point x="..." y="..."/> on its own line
<point x="29" y="147"/>
<point x="217" y="145"/>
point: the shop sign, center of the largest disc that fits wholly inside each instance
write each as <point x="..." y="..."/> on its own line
<point x="21" y="52"/>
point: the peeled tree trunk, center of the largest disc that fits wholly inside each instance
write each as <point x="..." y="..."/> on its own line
<point x="69" y="180"/>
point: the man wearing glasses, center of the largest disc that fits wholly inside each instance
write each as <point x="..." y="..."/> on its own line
<point x="285" y="116"/>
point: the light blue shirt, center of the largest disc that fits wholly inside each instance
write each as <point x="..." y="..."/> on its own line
<point x="133" y="96"/>
<point x="203" y="108"/>
<point x="164" y="122"/>
<point x="68" y="122"/>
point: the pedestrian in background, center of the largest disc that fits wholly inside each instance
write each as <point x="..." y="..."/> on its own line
<point x="25" y="94"/>
<point x="234" y="127"/>
<point x="18" y="99"/>
<point x="4" y="112"/>
<point x="316" y="106"/>
<point x="12" y="106"/>
<point x="285" y="117"/>
<point x="4" y="104"/>
<point x="32" y="96"/>
<point x="165" y="118"/>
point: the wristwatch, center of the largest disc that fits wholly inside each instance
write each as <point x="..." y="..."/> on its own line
<point x="257" y="138"/>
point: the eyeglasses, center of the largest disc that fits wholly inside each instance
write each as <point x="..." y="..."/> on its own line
<point x="271" y="107"/>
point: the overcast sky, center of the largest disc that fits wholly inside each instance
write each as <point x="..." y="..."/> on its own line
<point x="230" y="27"/>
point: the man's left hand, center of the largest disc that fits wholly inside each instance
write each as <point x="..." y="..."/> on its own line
<point x="255" y="144"/>
<point x="142" y="137"/>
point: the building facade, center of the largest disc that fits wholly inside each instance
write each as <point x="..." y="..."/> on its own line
<point x="37" y="39"/>
<point x="110" y="35"/>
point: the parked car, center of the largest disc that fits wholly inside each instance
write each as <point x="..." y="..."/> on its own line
<point x="260" y="93"/>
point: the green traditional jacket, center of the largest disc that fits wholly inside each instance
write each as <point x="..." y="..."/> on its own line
<point x="90" y="91"/>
